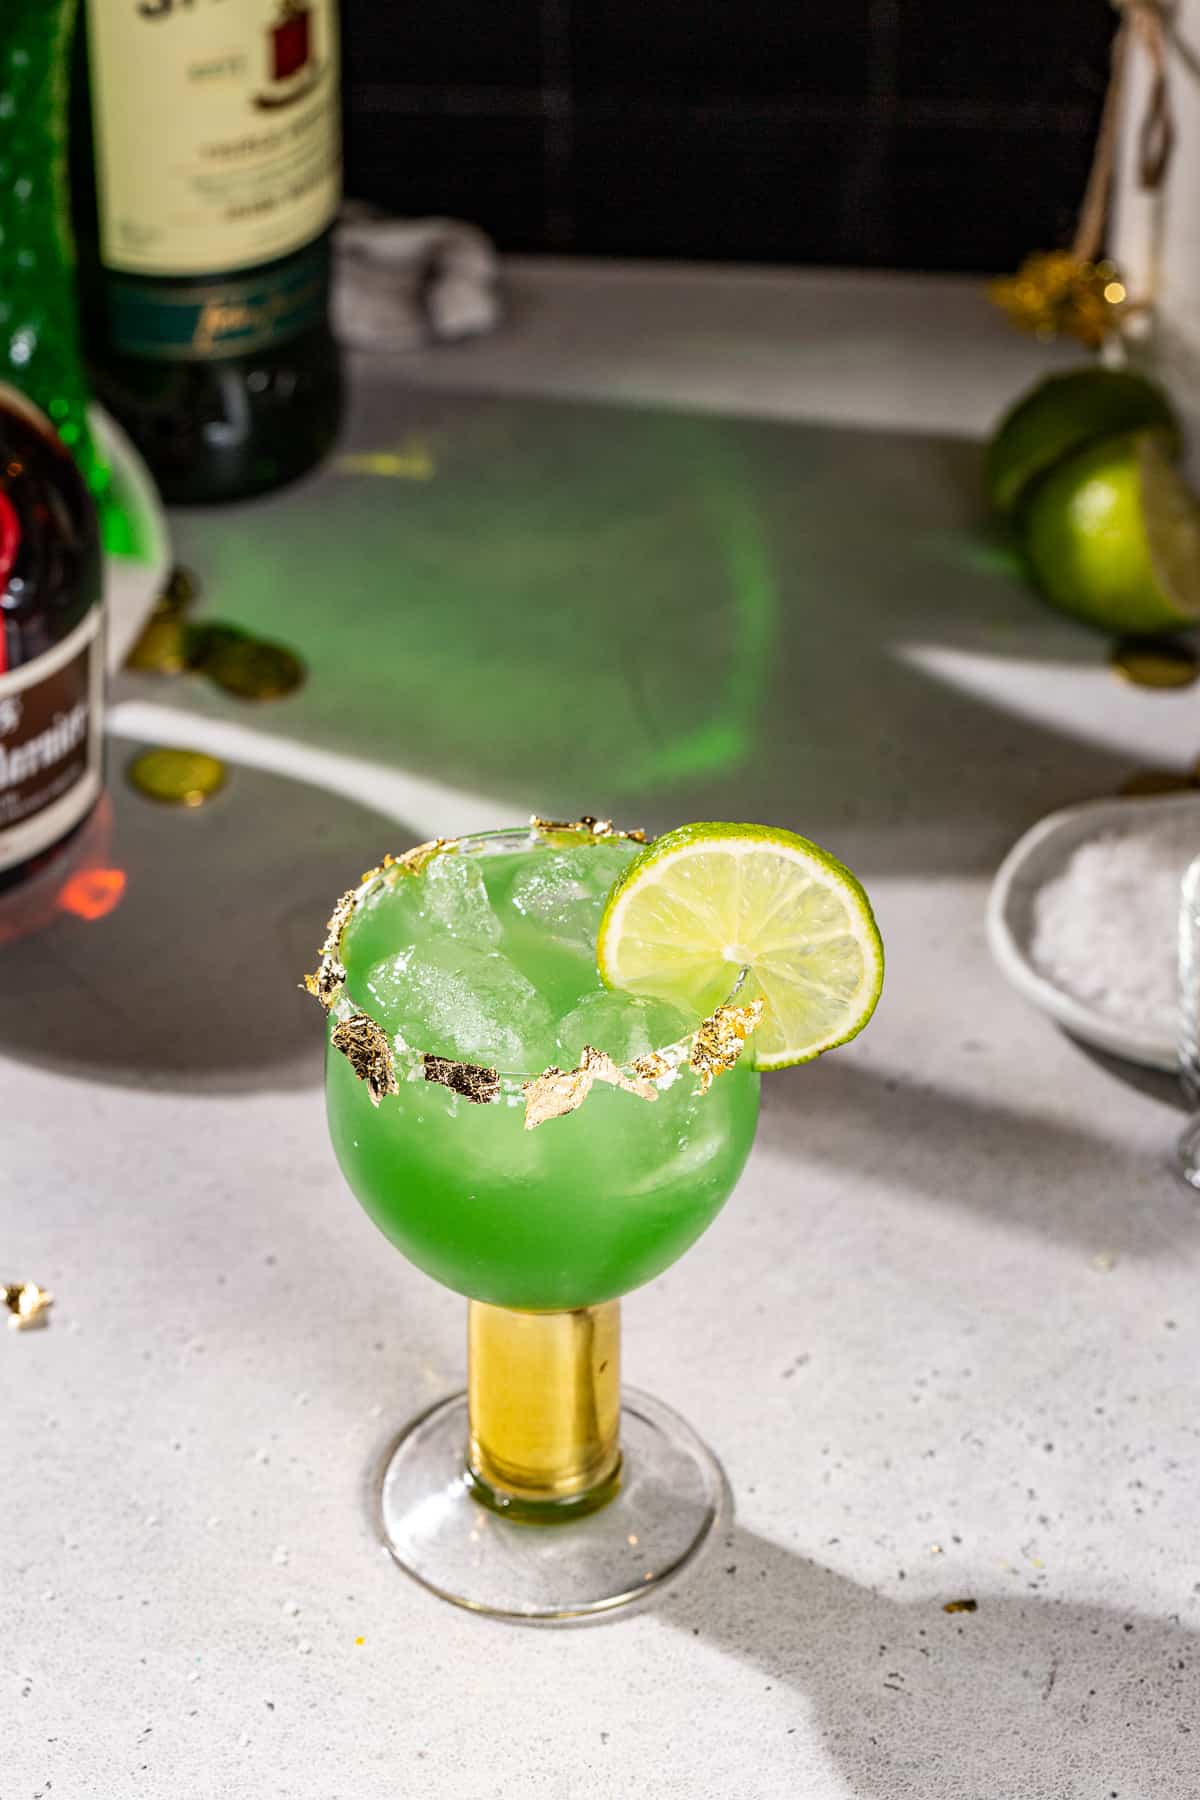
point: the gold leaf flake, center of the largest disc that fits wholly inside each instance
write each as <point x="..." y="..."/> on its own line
<point x="415" y="860"/>
<point x="719" y="1041"/>
<point x="28" y="1305"/>
<point x="331" y="974"/>
<point x="556" y="1092"/>
<point x="596" y="828"/>
<point x="601" y="1067"/>
<point x="479" y="1085"/>
<point x="651" y="1067"/>
<point x="369" y="1054"/>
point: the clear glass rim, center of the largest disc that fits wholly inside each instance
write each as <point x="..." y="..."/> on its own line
<point x="521" y="837"/>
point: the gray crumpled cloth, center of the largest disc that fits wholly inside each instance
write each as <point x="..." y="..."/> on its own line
<point x="402" y="283"/>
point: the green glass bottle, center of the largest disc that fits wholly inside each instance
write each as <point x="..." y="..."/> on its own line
<point x="207" y="172"/>
<point x="39" y="333"/>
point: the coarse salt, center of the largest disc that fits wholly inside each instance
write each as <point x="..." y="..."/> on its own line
<point x="1105" y="930"/>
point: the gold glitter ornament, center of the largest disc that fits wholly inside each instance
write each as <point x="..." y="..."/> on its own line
<point x="1056" y="293"/>
<point x="720" y="1040"/>
<point x="368" y="1052"/>
<point x="1075" y="293"/>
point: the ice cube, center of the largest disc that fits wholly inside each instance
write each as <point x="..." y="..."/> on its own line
<point x="453" y="896"/>
<point x="626" y="1025"/>
<point x="563" y="891"/>
<point x="460" y="1000"/>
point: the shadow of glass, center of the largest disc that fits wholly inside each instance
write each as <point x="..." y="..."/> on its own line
<point x="1025" y="1697"/>
<point x="1050" y="1179"/>
<point x="1156" y="1084"/>
<point x="658" y="613"/>
<point x="191" y="980"/>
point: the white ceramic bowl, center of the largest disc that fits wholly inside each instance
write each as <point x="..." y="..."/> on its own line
<point x="1033" y="861"/>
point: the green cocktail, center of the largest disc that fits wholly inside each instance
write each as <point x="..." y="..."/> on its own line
<point x="543" y="1141"/>
<point x="488" y="956"/>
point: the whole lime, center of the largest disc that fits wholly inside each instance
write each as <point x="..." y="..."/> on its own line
<point x="1063" y="414"/>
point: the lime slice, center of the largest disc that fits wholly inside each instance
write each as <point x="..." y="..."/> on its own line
<point x="1065" y="413"/>
<point x="1113" y="536"/>
<point x="705" y="901"/>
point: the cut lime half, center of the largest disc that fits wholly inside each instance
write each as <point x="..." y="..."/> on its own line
<point x="705" y="901"/>
<point x="1113" y="536"/>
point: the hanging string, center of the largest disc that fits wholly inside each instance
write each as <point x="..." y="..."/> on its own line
<point x="1145" y="20"/>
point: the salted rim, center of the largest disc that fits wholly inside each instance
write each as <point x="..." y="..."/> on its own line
<point x="382" y="1059"/>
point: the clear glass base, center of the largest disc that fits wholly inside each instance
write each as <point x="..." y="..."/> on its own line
<point x="1187" y="1153"/>
<point x="671" y="1497"/>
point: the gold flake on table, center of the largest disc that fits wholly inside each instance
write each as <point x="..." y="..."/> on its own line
<point x="368" y="1052"/>
<point x="720" y="1040"/>
<point x="961" y="1606"/>
<point x="556" y="1092"/>
<point x="27" y="1304"/>
<point x="469" y="1080"/>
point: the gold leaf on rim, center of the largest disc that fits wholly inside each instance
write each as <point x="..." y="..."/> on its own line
<point x="720" y="1039"/>
<point x="556" y="1092"/>
<point x="479" y="1085"/>
<point x="331" y="974"/>
<point x="597" y="828"/>
<point x="415" y="860"/>
<point x="368" y="1052"/>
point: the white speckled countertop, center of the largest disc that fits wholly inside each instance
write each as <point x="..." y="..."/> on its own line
<point x="714" y="536"/>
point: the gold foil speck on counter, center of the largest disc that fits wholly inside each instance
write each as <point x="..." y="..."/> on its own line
<point x="27" y="1304"/>
<point x="470" y="1080"/>
<point x="368" y="1052"/>
<point x="720" y="1040"/>
<point x="556" y="1092"/>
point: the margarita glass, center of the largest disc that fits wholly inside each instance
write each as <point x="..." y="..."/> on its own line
<point x="541" y="1145"/>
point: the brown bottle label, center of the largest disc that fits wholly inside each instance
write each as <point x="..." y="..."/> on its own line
<point x="50" y="742"/>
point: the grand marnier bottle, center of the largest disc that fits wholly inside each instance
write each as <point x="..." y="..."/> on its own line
<point x="51" y="643"/>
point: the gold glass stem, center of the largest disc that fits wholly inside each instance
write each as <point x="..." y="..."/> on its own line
<point x="544" y="1392"/>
